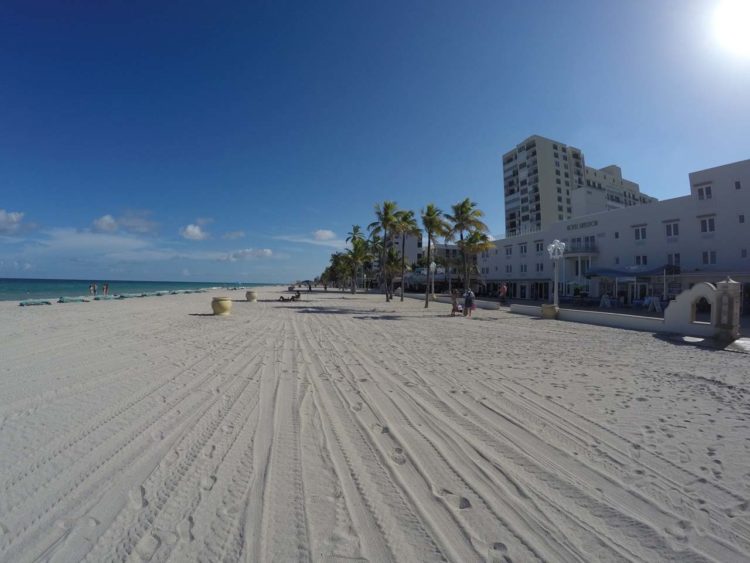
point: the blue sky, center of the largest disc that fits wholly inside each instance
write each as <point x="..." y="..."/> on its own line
<point x="240" y="141"/>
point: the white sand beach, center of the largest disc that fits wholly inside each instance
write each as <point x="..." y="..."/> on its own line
<point x="344" y="428"/>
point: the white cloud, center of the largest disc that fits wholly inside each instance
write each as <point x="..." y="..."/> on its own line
<point x="10" y="221"/>
<point x="193" y="232"/>
<point x="105" y="224"/>
<point x="324" y="234"/>
<point x="138" y="222"/>
<point x="331" y="243"/>
<point x="247" y="254"/>
<point x="232" y="235"/>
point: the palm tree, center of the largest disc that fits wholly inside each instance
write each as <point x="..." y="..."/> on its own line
<point x="474" y="243"/>
<point x="355" y="256"/>
<point x="374" y="249"/>
<point x="355" y="234"/>
<point x="386" y="220"/>
<point x="434" y="226"/>
<point x="466" y="218"/>
<point x="406" y="224"/>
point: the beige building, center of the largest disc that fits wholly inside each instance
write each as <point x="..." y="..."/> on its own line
<point x="546" y="181"/>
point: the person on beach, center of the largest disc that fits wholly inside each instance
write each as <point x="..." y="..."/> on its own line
<point x="469" y="305"/>
<point x="105" y="288"/>
<point x="454" y="302"/>
<point x="92" y="288"/>
<point x="502" y="294"/>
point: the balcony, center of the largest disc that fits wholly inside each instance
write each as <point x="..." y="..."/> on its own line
<point x="581" y="249"/>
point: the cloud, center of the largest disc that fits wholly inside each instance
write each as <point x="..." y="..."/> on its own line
<point x="10" y="221"/>
<point x="204" y="221"/>
<point x="232" y="235"/>
<point x="133" y="221"/>
<point x="324" y="234"/>
<point x="193" y="232"/>
<point x="247" y="254"/>
<point x="331" y="243"/>
<point x="105" y="224"/>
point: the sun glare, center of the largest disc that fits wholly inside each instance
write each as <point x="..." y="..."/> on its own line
<point x="732" y="26"/>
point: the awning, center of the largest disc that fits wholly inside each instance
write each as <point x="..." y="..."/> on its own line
<point x="633" y="271"/>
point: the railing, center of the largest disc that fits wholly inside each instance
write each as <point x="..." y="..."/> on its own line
<point x="581" y="248"/>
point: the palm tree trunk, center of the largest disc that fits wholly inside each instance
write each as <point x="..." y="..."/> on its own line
<point x="383" y="270"/>
<point x="429" y="261"/>
<point x="403" y="264"/>
<point x="466" y="264"/>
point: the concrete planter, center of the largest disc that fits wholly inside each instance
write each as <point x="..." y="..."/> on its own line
<point x="251" y="296"/>
<point x="221" y="305"/>
<point x="549" y="311"/>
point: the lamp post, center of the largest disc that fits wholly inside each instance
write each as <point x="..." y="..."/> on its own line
<point x="365" y="280"/>
<point x="556" y="250"/>
<point x="433" y="266"/>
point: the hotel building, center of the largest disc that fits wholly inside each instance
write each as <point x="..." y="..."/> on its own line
<point x="546" y="181"/>
<point x="640" y="249"/>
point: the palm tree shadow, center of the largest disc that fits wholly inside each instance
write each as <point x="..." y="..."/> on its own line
<point x="354" y="313"/>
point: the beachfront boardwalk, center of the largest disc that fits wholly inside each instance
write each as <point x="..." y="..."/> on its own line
<point x="346" y="428"/>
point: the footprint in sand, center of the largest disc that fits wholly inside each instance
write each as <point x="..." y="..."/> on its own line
<point x="397" y="455"/>
<point x="147" y="546"/>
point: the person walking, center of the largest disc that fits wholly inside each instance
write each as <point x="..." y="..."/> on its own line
<point x="502" y="294"/>
<point x="105" y="288"/>
<point x="454" y="302"/>
<point x="469" y="304"/>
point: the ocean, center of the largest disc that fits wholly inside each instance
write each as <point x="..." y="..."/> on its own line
<point x="17" y="289"/>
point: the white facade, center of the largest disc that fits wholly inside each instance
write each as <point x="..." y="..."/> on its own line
<point x="705" y="234"/>
<point x="546" y="181"/>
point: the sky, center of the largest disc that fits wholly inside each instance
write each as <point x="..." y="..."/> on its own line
<point x="240" y="141"/>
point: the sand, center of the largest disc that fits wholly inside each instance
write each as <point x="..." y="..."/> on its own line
<point x="342" y="428"/>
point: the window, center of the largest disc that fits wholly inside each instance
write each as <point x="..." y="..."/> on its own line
<point x="708" y="225"/>
<point x="540" y="267"/>
<point x="560" y="217"/>
<point x="523" y="268"/>
<point x="508" y="250"/>
<point x="742" y="218"/>
<point x="557" y="172"/>
<point x="540" y="246"/>
<point x="617" y="259"/>
<point x="508" y="269"/>
<point x="640" y="233"/>
<point x="641" y="260"/>
<point x="737" y="185"/>
<point x="709" y="257"/>
<point x="673" y="259"/>
<point x="673" y="229"/>
<point x="522" y="248"/>
<point x="704" y="193"/>
<point x="617" y="235"/>
<point x="558" y="180"/>
<point x="743" y="253"/>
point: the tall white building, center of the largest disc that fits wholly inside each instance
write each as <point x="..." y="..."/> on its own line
<point x="546" y="181"/>
<point x="704" y="236"/>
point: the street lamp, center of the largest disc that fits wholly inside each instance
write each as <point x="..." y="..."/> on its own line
<point x="433" y="266"/>
<point x="556" y="250"/>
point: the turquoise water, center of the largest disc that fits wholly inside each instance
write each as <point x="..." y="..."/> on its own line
<point x="16" y="289"/>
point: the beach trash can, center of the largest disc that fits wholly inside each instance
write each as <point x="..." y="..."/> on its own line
<point x="251" y="296"/>
<point x="221" y="305"/>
